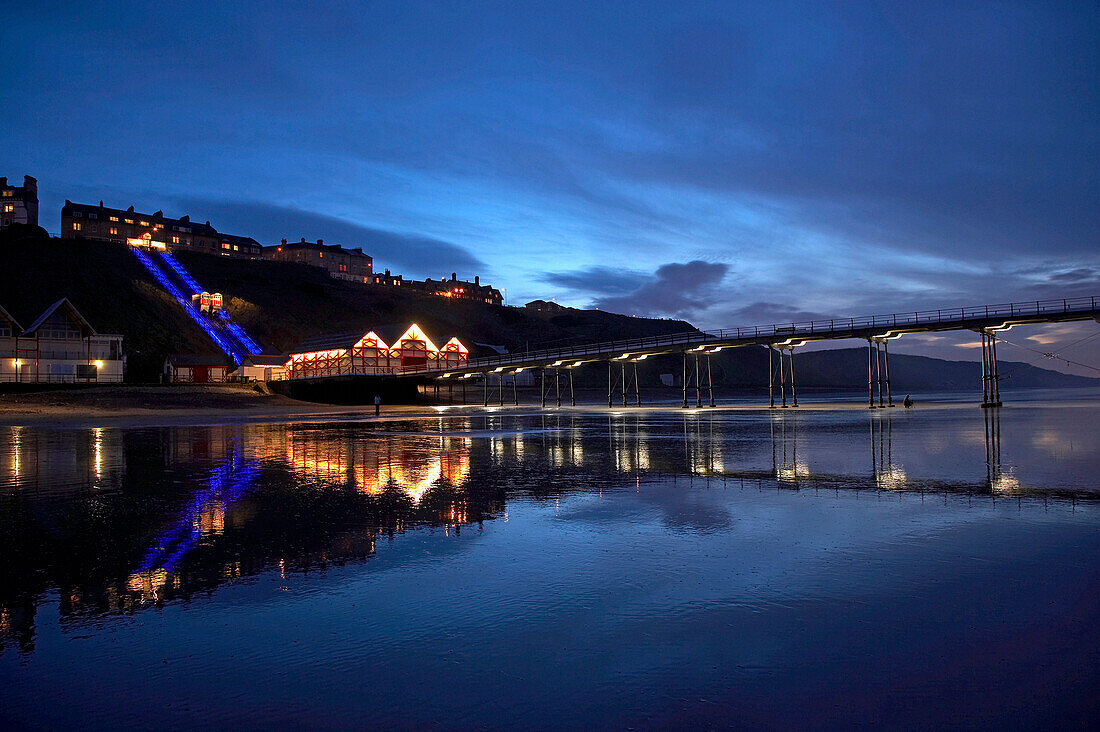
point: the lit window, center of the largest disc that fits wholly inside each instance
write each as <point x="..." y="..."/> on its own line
<point x="320" y="254"/>
<point x="114" y="230"/>
<point x="113" y="218"/>
<point x="159" y="227"/>
<point x="175" y="240"/>
<point x="144" y="223"/>
<point x="146" y="236"/>
<point x="129" y="221"/>
<point x="9" y="193"/>
<point x="9" y="207"/>
<point x="76" y="226"/>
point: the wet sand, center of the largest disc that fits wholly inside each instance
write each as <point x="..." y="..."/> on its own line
<point x="220" y="404"/>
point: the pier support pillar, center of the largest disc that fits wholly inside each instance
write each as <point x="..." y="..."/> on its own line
<point x="771" y="379"/>
<point x="790" y="362"/>
<point x="870" y="376"/>
<point x="991" y="390"/>
<point x="685" y="380"/>
<point x="782" y="380"/>
<point x="878" y="373"/>
<point x="637" y="387"/>
<point x="557" y="386"/>
<point x="572" y="396"/>
<point x="886" y="363"/>
<point x="710" y="381"/>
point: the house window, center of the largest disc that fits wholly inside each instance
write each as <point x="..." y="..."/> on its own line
<point x="9" y="207"/>
<point x="343" y="268"/>
<point x="77" y="214"/>
<point x="8" y="193"/>
<point x="129" y="221"/>
<point x="76" y="226"/>
<point x="144" y="223"/>
<point x="320" y="254"/>
<point x="175" y="240"/>
<point x="114" y="231"/>
<point x="93" y="216"/>
<point x="94" y="228"/>
<point x="225" y="246"/>
<point x="234" y="247"/>
<point x="113" y="218"/>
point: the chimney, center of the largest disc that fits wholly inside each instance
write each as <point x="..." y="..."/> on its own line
<point x="284" y="242"/>
<point x="159" y="214"/>
<point x="387" y="273"/>
<point x="101" y="204"/>
<point x="454" y="276"/>
<point x="4" y="181"/>
<point x="320" y="242"/>
<point x="131" y="209"/>
<point x="303" y="240"/>
<point x="186" y="218"/>
<point x="477" y="280"/>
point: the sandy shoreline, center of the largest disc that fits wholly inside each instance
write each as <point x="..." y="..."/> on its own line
<point x="201" y="405"/>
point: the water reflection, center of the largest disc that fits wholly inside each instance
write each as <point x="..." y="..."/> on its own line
<point x="115" y="520"/>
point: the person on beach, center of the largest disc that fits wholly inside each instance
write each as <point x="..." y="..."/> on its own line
<point x="377" y="405"/>
<point x="908" y="402"/>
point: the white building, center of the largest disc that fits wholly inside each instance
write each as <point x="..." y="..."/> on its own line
<point x="60" y="347"/>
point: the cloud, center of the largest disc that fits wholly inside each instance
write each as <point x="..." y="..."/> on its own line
<point x="598" y="280"/>
<point x="403" y="253"/>
<point x="675" y="290"/>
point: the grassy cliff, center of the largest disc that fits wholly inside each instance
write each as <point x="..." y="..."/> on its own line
<point x="280" y="303"/>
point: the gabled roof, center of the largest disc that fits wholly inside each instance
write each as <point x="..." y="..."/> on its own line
<point x="392" y="333"/>
<point x="69" y="310"/>
<point x="197" y="359"/>
<point x="329" y="342"/>
<point x="7" y="317"/>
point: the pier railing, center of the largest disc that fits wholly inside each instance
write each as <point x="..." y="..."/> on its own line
<point x="793" y="330"/>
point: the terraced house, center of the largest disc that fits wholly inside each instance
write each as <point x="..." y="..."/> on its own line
<point x="84" y="221"/>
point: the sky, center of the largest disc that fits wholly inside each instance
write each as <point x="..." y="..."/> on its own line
<point x="726" y="163"/>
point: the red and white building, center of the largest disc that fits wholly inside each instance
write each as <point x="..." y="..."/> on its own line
<point x="381" y="351"/>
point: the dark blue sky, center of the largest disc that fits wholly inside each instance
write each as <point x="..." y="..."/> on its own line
<point x="727" y="163"/>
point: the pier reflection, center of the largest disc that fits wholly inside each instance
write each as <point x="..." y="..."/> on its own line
<point x="115" y="520"/>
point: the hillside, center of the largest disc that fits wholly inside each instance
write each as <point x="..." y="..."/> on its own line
<point x="278" y="302"/>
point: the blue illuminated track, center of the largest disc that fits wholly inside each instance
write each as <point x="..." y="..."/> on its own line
<point x="182" y="273"/>
<point x="251" y="346"/>
<point x="185" y="303"/>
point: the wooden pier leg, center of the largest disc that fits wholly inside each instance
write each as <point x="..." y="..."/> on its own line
<point x="542" y="388"/>
<point x="572" y="395"/>
<point x="557" y="386"/>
